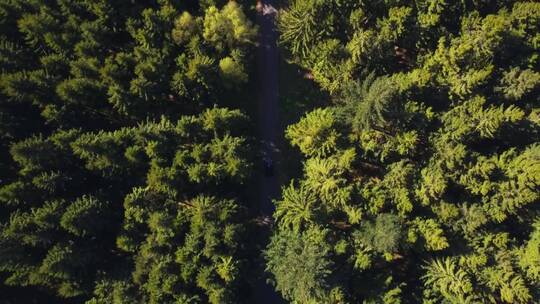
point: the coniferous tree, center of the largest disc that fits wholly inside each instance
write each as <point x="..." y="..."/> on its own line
<point x="422" y="169"/>
<point x="119" y="163"/>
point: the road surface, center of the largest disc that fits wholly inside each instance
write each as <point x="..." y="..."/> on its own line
<point x="268" y="102"/>
<point x="268" y="123"/>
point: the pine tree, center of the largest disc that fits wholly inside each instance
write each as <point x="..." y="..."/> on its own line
<point x="315" y="134"/>
<point x="103" y="102"/>
<point x="301" y="266"/>
<point x="297" y="209"/>
<point x="424" y="150"/>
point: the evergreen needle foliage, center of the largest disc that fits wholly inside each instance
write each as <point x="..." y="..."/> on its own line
<point x="123" y="151"/>
<point x="422" y="168"/>
<point x="126" y="156"/>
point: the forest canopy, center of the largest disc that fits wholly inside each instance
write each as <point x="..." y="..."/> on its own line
<point x="123" y="149"/>
<point x="421" y="173"/>
<point x="130" y="164"/>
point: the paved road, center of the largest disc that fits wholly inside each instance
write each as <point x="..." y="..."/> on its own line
<point x="268" y="123"/>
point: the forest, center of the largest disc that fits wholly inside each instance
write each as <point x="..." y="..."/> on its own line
<point x="408" y="152"/>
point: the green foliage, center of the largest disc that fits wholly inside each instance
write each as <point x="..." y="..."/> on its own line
<point x="449" y="280"/>
<point x="114" y="292"/>
<point x="86" y="216"/>
<point x="315" y="134"/>
<point x="426" y="151"/>
<point x="297" y="209"/>
<point x="471" y="118"/>
<point x="530" y="255"/>
<point x="325" y="177"/>
<point x="124" y="163"/>
<point x="393" y="27"/>
<point x="301" y="25"/>
<point x="104" y="102"/>
<point x="382" y="235"/>
<point x="232" y="71"/>
<point x="369" y="102"/>
<point x="185" y="27"/>
<point x="301" y="266"/>
<point x="433" y="234"/>
<point x="228" y="28"/>
<point x="517" y="83"/>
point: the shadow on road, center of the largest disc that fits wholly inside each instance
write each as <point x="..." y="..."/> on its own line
<point x="269" y="131"/>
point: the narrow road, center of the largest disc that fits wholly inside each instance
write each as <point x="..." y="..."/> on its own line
<point x="268" y="124"/>
<point x="267" y="86"/>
